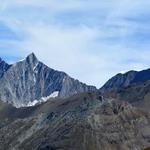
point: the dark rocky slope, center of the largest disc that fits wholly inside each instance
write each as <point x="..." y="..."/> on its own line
<point x="137" y="94"/>
<point x="124" y="80"/>
<point x="82" y="122"/>
<point x="3" y="67"/>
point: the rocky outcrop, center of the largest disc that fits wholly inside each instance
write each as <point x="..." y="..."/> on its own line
<point x="3" y="67"/>
<point x="124" y="80"/>
<point x="82" y="122"/>
<point x="137" y="94"/>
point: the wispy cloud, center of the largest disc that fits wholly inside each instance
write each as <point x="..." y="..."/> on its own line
<point x="90" y="40"/>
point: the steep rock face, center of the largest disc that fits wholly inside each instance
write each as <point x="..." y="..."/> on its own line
<point x="82" y="122"/>
<point x="137" y="94"/>
<point x="3" y="67"/>
<point x="30" y="80"/>
<point x="124" y="80"/>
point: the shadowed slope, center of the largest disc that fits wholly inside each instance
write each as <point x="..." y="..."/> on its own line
<point x="124" y="80"/>
<point x="82" y="122"/>
<point x="136" y="94"/>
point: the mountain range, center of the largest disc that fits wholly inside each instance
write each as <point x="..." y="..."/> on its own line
<point x="124" y="80"/>
<point x="45" y="109"/>
<point x="84" y="121"/>
<point x="133" y="87"/>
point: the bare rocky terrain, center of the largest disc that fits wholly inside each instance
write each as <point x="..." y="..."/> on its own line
<point x="137" y="94"/>
<point x="82" y="122"/>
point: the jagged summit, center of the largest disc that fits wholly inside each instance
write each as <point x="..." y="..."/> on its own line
<point x="3" y="67"/>
<point x="30" y="81"/>
<point x="31" y="57"/>
<point x="31" y="60"/>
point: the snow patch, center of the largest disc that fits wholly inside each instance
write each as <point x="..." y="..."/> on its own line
<point x="35" y="67"/>
<point x="35" y="72"/>
<point x="64" y="79"/>
<point x="43" y="99"/>
<point x="33" y="103"/>
<point x="54" y="94"/>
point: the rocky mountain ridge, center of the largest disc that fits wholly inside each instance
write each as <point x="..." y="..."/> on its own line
<point x="124" y="80"/>
<point x="137" y="94"/>
<point x="30" y="81"/>
<point x="3" y="67"/>
<point x="84" y="121"/>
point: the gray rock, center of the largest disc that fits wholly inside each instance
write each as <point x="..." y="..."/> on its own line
<point x="3" y="67"/>
<point x="137" y="94"/>
<point x="124" y="80"/>
<point x="84" y="121"/>
<point x="30" y="80"/>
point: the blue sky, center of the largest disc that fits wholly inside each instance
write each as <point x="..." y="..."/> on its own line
<point x="91" y="40"/>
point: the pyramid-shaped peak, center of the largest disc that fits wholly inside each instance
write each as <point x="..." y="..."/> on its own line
<point x="31" y="58"/>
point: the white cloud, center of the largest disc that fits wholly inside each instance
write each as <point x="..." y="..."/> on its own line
<point x="104" y="39"/>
